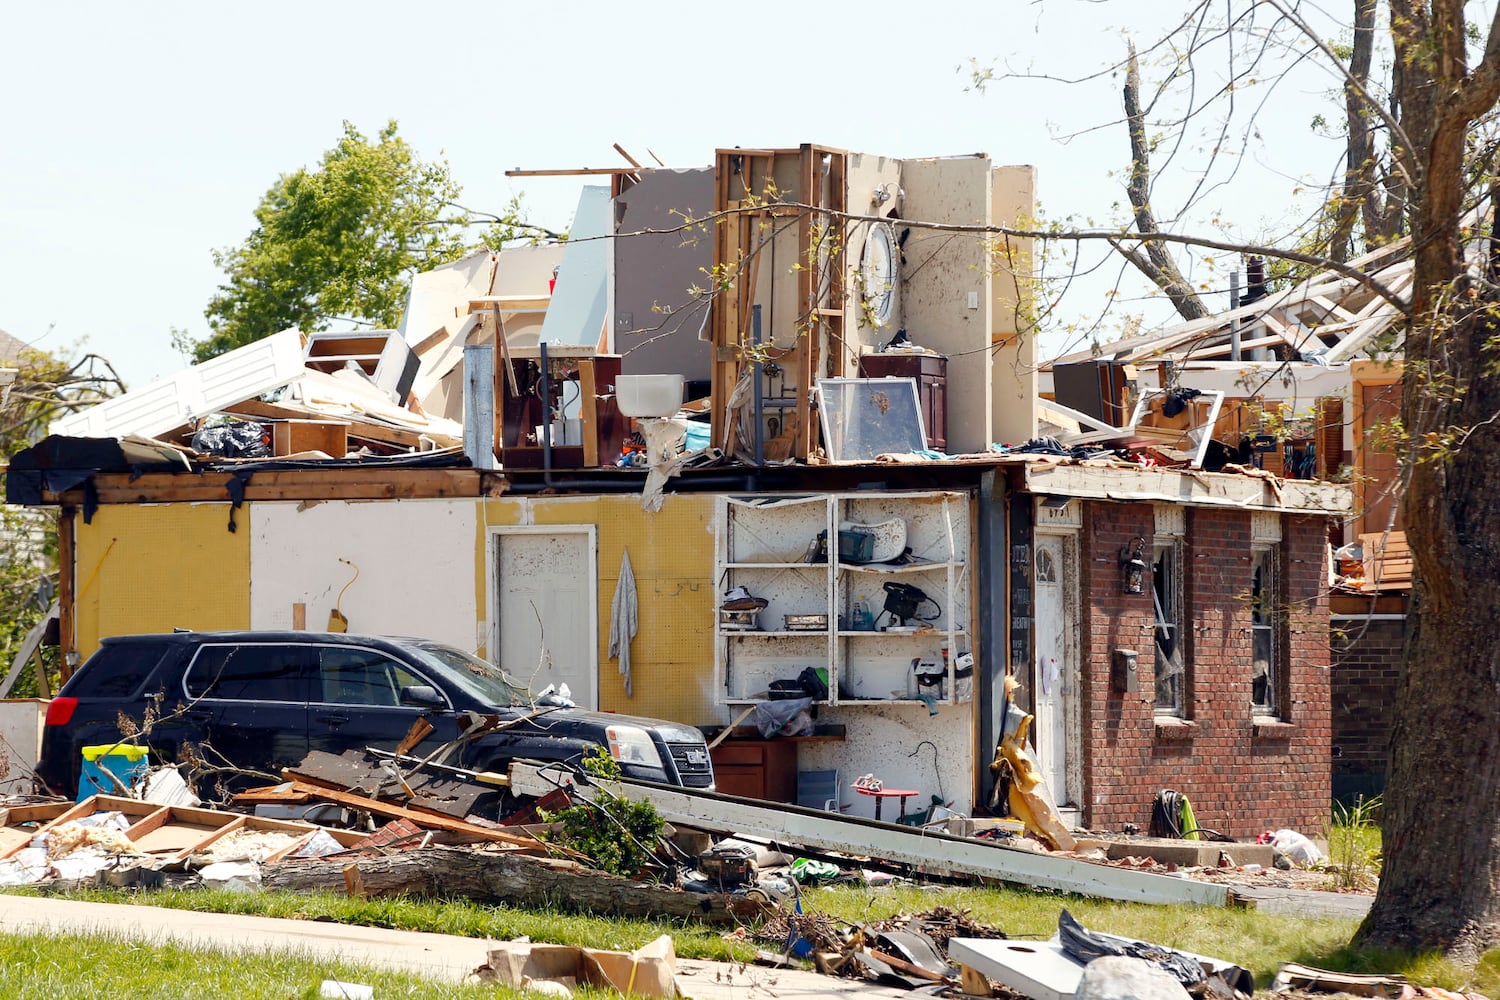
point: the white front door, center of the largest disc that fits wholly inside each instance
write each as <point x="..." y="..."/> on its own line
<point x="1054" y="677"/>
<point x="545" y="612"/>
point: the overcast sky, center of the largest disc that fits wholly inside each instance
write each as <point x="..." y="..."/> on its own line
<point x="139" y="137"/>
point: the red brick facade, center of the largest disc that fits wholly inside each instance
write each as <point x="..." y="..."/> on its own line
<point x="1366" y="662"/>
<point x="1241" y="776"/>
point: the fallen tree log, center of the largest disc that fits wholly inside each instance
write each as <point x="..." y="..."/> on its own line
<point x="489" y="877"/>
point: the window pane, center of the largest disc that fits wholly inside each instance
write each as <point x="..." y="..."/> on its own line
<point x="1263" y="679"/>
<point x="361" y="677"/>
<point x="1166" y="631"/>
<point x="249" y="673"/>
<point x="117" y="670"/>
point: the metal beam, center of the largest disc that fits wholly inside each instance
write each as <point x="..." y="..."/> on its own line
<point x="936" y="853"/>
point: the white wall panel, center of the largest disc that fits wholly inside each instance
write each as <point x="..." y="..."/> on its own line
<point x="416" y="561"/>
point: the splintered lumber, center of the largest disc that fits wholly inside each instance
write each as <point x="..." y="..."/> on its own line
<point x="451" y="792"/>
<point x="432" y="821"/>
<point x="487" y="877"/>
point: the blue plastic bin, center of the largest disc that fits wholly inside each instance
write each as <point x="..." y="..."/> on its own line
<point x="121" y="760"/>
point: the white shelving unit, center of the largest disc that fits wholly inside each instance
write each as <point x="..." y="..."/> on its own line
<point x="764" y="544"/>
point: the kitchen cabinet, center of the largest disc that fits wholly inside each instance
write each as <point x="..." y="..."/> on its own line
<point x="756" y="769"/>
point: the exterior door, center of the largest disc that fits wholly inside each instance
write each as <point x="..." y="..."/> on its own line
<point x="546" y="582"/>
<point x="1055" y="669"/>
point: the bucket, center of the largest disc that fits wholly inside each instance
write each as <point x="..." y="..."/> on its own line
<point x="127" y="763"/>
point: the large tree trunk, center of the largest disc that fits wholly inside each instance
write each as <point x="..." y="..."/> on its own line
<point x="486" y="877"/>
<point x="1441" y="883"/>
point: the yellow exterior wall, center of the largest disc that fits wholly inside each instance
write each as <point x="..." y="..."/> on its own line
<point x="672" y="557"/>
<point x="153" y="568"/>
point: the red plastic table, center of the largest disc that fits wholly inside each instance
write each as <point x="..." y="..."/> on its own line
<point x="881" y="794"/>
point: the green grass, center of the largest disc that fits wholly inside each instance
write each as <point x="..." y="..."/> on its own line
<point x="104" y="966"/>
<point x="1261" y="942"/>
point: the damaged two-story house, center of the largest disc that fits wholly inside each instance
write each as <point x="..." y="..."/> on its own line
<point x="766" y="431"/>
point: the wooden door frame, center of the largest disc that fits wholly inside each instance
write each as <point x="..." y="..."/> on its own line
<point x="1072" y="658"/>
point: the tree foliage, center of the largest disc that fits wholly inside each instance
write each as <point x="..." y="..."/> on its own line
<point x="338" y="242"/>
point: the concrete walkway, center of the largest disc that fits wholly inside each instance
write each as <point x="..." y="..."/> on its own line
<point x="436" y="956"/>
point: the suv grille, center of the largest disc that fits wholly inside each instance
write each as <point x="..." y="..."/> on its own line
<point x="693" y="765"/>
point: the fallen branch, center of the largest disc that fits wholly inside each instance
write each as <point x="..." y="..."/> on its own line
<point x="487" y="877"/>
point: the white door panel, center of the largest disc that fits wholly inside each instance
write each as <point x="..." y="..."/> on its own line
<point x="546" y="582"/>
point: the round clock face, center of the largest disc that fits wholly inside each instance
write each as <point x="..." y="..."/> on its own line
<point x="879" y="273"/>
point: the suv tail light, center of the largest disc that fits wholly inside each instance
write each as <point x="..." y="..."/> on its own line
<point x="60" y="711"/>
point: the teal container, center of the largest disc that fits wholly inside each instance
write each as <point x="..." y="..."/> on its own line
<point x="125" y="762"/>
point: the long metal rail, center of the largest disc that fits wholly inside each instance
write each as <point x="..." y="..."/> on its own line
<point x="937" y="853"/>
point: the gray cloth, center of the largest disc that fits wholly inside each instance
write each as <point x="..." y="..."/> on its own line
<point x="624" y="619"/>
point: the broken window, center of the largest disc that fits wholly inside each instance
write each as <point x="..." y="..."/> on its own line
<point x="1166" y="600"/>
<point x="1266" y="679"/>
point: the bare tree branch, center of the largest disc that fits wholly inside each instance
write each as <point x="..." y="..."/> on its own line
<point x="1160" y="267"/>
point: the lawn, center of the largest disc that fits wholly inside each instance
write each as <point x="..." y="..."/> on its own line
<point x="103" y="966"/>
<point x="1258" y="941"/>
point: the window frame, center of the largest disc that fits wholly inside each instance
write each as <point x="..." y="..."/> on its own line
<point x="1267" y="617"/>
<point x="1167" y="551"/>
<point x="301" y="676"/>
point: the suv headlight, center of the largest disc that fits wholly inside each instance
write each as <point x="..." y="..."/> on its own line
<point x="632" y="745"/>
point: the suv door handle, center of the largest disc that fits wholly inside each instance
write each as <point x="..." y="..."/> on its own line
<point x="333" y="720"/>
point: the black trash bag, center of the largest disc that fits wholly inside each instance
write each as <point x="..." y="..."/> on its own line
<point x="1086" y="945"/>
<point x="242" y="439"/>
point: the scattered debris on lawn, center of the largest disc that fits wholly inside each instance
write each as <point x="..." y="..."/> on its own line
<point x="557" y="969"/>
<point x="1295" y="980"/>
<point x="1054" y="969"/>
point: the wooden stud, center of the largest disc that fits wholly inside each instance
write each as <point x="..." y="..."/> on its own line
<point x="67" y="581"/>
<point x="589" y="411"/>
<point x="576" y="172"/>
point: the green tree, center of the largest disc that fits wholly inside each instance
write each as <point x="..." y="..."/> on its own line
<point x="338" y="242"/>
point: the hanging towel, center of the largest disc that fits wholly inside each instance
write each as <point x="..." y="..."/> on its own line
<point x="623" y="619"/>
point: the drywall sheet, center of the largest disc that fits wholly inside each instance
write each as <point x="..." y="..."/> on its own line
<point x="656" y="319"/>
<point x="392" y="567"/>
<point x="580" y="301"/>
<point x="432" y="306"/>
<point x="1013" y="203"/>
<point x="946" y="297"/>
<point x="874" y="188"/>
<point x="156" y="567"/>
<point x="904" y="747"/>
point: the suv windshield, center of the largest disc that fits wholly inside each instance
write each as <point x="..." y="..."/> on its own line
<point x="479" y="678"/>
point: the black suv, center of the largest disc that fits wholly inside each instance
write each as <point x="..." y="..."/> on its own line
<point x="263" y="700"/>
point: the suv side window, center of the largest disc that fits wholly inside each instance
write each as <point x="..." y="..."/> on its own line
<point x="250" y="672"/>
<point x="117" y="670"/>
<point x="360" y="677"/>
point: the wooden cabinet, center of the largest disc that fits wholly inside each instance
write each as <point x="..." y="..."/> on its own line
<point x="931" y="374"/>
<point x="756" y="769"/>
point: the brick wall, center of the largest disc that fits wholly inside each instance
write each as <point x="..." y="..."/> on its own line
<point x="1241" y="777"/>
<point x="1366" y="659"/>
